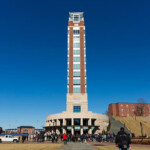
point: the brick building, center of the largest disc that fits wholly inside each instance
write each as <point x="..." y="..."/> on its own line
<point x="129" y="109"/>
<point x="26" y="129"/>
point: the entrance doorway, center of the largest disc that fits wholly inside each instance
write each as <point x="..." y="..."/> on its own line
<point x="77" y="132"/>
<point x="68" y="131"/>
<point x="85" y="131"/>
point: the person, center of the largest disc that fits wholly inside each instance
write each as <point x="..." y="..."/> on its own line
<point x="27" y="137"/>
<point x="73" y="138"/>
<point x="34" y="137"/>
<point x="48" y="136"/>
<point x="111" y="138"/>
<point x="64" y="138"/>
<point x="81" y="138"/>
<point x="100" y="137"/>
<point x="37" y="137"/>
<point x="45" y="136"/>
<point x="53" y="138"/>
<point x="123" y="140"/>
<point x="85" y="139"/>
<point x="40" y="137"/>
<point x="56" y="137"/>
<point x="23" y="138"/>
<point x="104" y="137"/>
<point x="107" y="137"/>
<point x="76" y="137"/>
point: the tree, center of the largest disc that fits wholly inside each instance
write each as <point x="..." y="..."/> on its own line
<point x="106" y="112"/>
<point x="141" y="107"/>
<point x="1" y="130"/>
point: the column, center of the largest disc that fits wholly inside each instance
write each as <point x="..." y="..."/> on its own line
<point x="58" y="122"/>
<point x="64" y="130"/>
<point x="72" y="124"/>
<point x="72" y="130"/>
<point x="81" y="121"/>
<point x="72" y="121"/>
<point x="82" y="63"/>
<point x="81" y="130"/>
<point x="90" y="131"/>
<point x="50" y="123"/>
<point x="89" y="122"/>
<point x="81" y="126"/>
<point x="64" y="122"/>
<point x="53" y="122"/>
<point x="71" y="60"/>
<point x="57" y="131"/>
<point x="52" y="131"/>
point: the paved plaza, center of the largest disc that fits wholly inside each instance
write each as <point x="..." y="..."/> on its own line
<point x="77" y="146"/>
<point x="105" y="146"/>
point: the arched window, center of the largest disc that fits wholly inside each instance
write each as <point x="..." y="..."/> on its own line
<point x="25" y="131"/>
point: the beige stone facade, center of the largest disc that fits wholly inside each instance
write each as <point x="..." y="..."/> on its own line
<point x="65" y="122"/>
<point x="91" y="123"/>
<point x="77" y="100"/>
<point x="77" y="118"/>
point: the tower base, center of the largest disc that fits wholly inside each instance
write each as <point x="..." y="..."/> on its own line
<point x="77" y="123"/>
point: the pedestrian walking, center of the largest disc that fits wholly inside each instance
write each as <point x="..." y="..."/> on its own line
<point x="56" y="138"/>
<point x="123" y="140"/>
<point x="81" y="138"/>
<point x="53" y="138"/>
<point x="23" y="138"/>
<point x="85" y="139"/>
<point x="64" y="138"/>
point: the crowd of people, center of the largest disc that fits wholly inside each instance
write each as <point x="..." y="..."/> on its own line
<point x="41" y="137"/>
<point x="87" y="137"/>
<point x="122" y="139"/>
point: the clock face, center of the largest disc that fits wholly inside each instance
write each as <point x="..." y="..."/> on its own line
<point x="76" y="101"/>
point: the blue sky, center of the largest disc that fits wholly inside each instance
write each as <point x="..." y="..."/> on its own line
<point x="33" y="56"/>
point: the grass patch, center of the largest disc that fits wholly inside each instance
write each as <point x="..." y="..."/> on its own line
<point x="30" y="146"/>
<point x="134" y="125"/>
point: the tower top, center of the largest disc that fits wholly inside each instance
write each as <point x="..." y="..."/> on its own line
<point x="76" y="16"/>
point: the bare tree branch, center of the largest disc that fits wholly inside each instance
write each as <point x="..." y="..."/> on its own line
<point x="141" y="107"/>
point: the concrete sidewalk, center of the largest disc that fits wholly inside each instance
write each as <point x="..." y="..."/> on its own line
<point x="76" y="146"/>
<point x="113" y="144"/>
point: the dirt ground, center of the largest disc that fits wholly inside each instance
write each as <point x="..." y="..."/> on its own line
<point x="51" y="146"/>
<point x="31" y="146"/>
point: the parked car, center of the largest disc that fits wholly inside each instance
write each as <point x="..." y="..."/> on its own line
<point x="9" y="138"/>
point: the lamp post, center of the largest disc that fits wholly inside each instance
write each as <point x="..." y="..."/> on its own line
<point x="141" y="125"/>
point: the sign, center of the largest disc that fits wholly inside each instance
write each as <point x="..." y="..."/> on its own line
<point x="69" y="128"/>
<point x="93" y="128"/>
<point x="77" y="127"/>
<point x="85" y="128"/>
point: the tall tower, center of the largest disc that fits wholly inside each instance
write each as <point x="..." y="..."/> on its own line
<point x="76" y="64"/>
<point x="76" y="119"/>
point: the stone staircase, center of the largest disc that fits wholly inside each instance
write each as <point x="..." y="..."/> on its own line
<point x="115" y="126"/>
